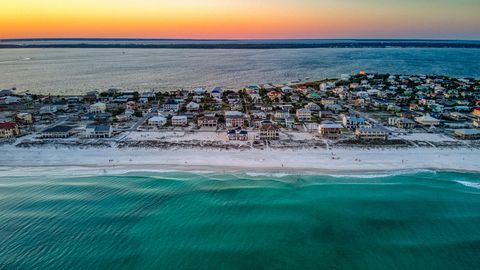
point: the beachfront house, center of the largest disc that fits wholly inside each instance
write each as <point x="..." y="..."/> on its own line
<point x="330" y="130"/>
<point x="158" y="121"/>
<point x="269" y="131"/>
<point x="304" y="115"/>
<point x="371" y="134"/>
<point x="234" y="119"/>
<point x="467" y="134"/>
<point x="98" y="131"/>
<point x="310" y="126"/>
<point x="59" y="131"/>
<point x="353" y="122"/>
<point x="401" y="122"/>
<point x="427" y="120"/>
<point x="8" y="130"/>
<point x="208" y="121"/>
<point x="179" y="120"/>
<point x="237" y="134"/>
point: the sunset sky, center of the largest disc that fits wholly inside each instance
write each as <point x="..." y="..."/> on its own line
<point x="248" y="19"/>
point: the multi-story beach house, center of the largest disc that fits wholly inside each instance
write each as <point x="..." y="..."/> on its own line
<point x="171" y="106"/>
<point x="330" y="130"/>
<point x="282" y="114"/>
<point x="353" y="122"/>
<point x="313" y="107"/>
<point x="8" y="130"/>
<point x="179" y="120"/>
<point x="208" y="121"/>
<point x="269" y="131"/>
<point x="237" y="134"/>
<point x="371" y="134"/>
<point x="401" y="122"/>
<point x="467" y="134"/>
<point x="158" y="121"/>
<point x="59" y="131"/>
<point x="427" y="120"/>
<point x="304" y="115"/>
<point x="24" y="118"/>
<point x="234" y="119"/>
<point x="98" y="131"/>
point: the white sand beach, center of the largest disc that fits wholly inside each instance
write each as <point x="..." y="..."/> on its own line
<point x="341" y="160"/>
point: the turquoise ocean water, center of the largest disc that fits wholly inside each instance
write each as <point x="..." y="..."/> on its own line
<point x="179" y="220"/>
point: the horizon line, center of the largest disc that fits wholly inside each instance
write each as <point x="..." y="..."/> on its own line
<point x="241" y="39"/>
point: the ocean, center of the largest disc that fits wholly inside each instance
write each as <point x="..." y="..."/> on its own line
<point x="185" y="220"/>
<point x="78" y="70"/>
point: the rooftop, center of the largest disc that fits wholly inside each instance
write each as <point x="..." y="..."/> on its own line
<point x="58" y="129"/>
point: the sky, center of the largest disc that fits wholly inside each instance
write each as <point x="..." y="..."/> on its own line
<point x="240" y="19"/>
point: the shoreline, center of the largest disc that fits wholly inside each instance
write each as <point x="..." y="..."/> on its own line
<point x="301" y="161"/>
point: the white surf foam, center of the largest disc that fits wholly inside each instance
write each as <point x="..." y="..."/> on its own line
<point x="469" y="184"/>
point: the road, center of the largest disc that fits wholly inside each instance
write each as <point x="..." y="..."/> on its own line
<point x="142" y="120"/>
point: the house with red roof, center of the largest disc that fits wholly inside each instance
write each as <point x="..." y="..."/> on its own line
<point x="8" y="130"/>
<point x="476" y="111"/>
<point x="274" y="95"/>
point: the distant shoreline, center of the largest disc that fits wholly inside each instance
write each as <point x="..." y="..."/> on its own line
<point x="233" y="44"/>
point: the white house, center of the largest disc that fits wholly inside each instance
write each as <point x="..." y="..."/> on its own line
<point x="427" y="120"/>
<point x="282" y="114"/>
<point x="98" y="107"/>
<point x="48" y="109"/>
<point x="157" y="121"/>
<point x="200" y="91"/>
<point x="179" y="120"/>
<point x="304" y="115"/>
<point x="371" y="134"/>
<point x="193" y="106"/>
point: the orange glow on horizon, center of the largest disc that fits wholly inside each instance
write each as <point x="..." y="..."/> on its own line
<point x="227" y="19"/>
